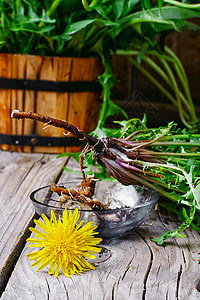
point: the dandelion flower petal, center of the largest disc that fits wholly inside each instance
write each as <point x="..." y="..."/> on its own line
<point x="64" y="244"/>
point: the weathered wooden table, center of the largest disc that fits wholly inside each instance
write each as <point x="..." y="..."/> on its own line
<point x="129" y="268"/>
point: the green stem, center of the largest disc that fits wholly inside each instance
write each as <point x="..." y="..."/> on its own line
<point x="179" y="137"/>
<point x="174" y="83"/>
<point x="161" y="183"/>
<point x="156" y="67"/>
<point x="87" y="6"/>
<point x="179" y="64"/>
<point x="174" y="143"/>
<point x="180" y="70"/>
<point x="148" y="143"/>
<point x="143" y="181"/>
<point x="157" y="189"/>
<point x="166" y="154"/>
<point x="188" y="114"/>
<point x="53" y="7"/>
<point x="160" y="72"/>
<point x="164" y="142"/>
<point x="181" y="4"/>
<point x="155" y="82"/>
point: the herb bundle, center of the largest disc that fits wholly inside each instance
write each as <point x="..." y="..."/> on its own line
<point x="164" y="159"/>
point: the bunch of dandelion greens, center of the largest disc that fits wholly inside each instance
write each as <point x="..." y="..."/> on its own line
<point x="64" y="244"/>
<point x="164" y="159"/>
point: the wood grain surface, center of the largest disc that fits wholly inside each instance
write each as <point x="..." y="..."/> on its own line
<point x="80" y="108"/>
<point x="19" y="175"/>
<point x="133" y="267"/>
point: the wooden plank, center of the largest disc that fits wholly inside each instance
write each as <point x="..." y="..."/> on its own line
<point x="108" y="281"/>
<point x="130" y="268"/>
<point x="13" y="99"/>
<point x="189" y="279"/>
<point x="84" y="107"/>
<point x="17" y="96"/>
<point x="174" y="271"/>
<point x="20" y="174"/>
<point x="53" y="104"/>
<point x="33" y="65"/>
<point x="123" y="73"/>
<point x="5" y="109"/>
<point x="74" y="166"/>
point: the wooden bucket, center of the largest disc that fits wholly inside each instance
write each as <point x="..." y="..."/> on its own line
<point x="61" y="87"/>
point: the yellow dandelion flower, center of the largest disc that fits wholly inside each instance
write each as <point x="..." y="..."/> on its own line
<point x="63" y="244"/>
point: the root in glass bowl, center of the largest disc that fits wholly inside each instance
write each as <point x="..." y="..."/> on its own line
<point x="116" y="209"/>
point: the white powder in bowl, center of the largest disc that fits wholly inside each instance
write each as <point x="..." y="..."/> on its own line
<point x="122" y="196"/>
<point x="116" y="195"/>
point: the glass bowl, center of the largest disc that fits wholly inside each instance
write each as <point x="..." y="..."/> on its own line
<point x="113" y="222"/>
